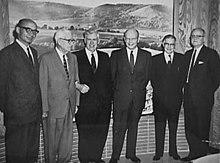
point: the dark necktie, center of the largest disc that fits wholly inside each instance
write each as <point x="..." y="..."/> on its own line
<point x="132" y="61"/>
<point x="29" y="55"/>
<point x="191" y="65"/>
<point x="93" y="63"/>
<point x="65" y="66"/>
<point x="169" y="62"/>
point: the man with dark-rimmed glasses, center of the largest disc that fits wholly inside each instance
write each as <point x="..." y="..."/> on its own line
<point x="20" y="98"/>
<point x="202" y="67"/>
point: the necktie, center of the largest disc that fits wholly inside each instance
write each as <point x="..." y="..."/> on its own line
<point x="65" y="66"/>
<point x="29" y="55"/>
<point x="169" y="62"/>
<point x="191" y="65"/>
<point x="93" y="63"/>
<point x="132" y="61"/>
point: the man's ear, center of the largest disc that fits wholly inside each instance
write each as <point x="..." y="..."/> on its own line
<point x="17" y="29"/>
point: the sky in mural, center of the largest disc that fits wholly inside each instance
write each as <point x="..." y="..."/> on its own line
<point x="94" y="3"/>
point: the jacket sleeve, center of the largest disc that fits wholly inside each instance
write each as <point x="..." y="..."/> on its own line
<point x="77" y="80"/>
<point x="43" y="81"/>
<point x="4" y="75"/>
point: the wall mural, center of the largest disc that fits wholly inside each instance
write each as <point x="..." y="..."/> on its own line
<point x="153" y="19"/>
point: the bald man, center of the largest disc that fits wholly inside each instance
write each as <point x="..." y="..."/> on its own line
<point x="58" y="75"/>
<point x="130" y="74"/>
<point x="20" y="98"/>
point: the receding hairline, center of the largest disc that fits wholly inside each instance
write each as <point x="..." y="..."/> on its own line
<point x="198" y="29"/>
<point x="24" y="21"/>
<point x="131" y="30"/>
<point x="61" y="33"/>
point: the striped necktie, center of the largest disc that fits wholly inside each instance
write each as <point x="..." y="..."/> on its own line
<point x="29" y="55"/>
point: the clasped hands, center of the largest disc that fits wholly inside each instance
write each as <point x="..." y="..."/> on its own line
<point x="83" y="88"/>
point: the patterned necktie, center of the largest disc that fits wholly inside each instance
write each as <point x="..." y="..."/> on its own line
<point x="132" y="61"/>
<point x="29" y="55"/>
<point x="93" y="63"/>
<point x="65" y="66"/>
<point x="191" y="65"/>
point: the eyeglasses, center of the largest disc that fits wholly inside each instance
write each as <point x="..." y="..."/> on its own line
<point x="69" y="40"/>
<point x="30" y="31"/>
<point x="167" y="44"/>
<point x="197" y="36"/>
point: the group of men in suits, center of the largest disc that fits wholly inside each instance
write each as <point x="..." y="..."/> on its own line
<point x="83" y="85"/>
<point x="192" y="79"/>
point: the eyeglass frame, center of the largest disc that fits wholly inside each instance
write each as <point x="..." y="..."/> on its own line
<point x="68" y="40"/>
<point x="168" y="44"/>
<point x="197" y="36"/>
<point x="29" y="30"/>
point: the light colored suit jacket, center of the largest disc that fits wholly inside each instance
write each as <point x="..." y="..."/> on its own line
<point x="58" y="92"/>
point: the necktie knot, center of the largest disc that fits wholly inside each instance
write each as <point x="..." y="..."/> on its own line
<point x="93" y="64"/>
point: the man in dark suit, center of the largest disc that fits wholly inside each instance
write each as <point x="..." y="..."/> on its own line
<point x="167" y="82"/>
<point x="131" y="68"/>
<point x="20" y="98"/>
<point x="57" y="74"/>
<point x="94" y="110"/>
<point x="202" y="79"/>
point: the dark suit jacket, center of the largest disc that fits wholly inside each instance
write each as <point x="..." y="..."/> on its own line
<point x="99" y="95"/>
<point x="128" y="86"/>
<point x="57" y="91"/>
<point x="20" y="98"/>
<point x="167" y="83"/>
<point x="204" y="77"/>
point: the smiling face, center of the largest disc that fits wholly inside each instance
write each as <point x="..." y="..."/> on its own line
<point x="65" y="40"/>
<point x="169" y="45"/>
<point x="26" y="31"/>
<point x="131" y="38"/>
<point x="91" y="41"/>
<point x="197" y="38"/>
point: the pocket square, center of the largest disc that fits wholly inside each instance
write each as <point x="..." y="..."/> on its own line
<point x="201" y="62"/>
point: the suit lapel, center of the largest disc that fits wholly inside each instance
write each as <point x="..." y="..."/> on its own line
<point x="125" y="58"/>
<point x="58" y="63"/>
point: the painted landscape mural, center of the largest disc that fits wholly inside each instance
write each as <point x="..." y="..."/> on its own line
<point x="152" y="18"/>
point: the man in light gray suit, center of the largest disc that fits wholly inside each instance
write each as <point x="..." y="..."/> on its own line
<point x="58" y="75"/>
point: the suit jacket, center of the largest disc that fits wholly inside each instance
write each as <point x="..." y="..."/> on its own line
<point x="130" y="86"/>
<point x="20" y="98"/>
<point x="57" y="91"/>
<point x="100" y="93"/>
<point x="204" y="77"/>
<point x="167" y="82"/>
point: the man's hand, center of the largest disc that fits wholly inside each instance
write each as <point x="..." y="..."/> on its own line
<point x="45" y="115"/>
<point x="83" y="88"/>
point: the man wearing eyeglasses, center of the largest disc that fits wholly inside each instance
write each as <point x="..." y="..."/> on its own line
<point x="20" y="98"/>
<point x="58" y="74"/>
<point x="202" y="67"/>
<point x="167" y="82"/>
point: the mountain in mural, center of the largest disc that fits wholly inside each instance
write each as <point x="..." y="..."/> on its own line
<point x="115" y="16"/>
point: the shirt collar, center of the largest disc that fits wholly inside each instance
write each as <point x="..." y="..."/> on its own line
<point x="134" y="51"/>
<point x="167" y="58"/>
<point x="22" y="45"/>
<point x="89" y="53"/>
